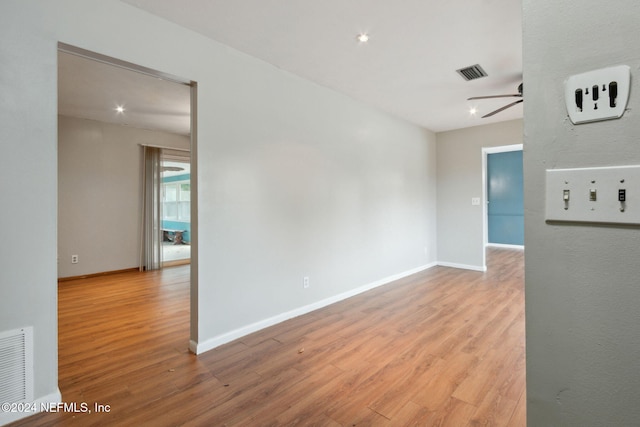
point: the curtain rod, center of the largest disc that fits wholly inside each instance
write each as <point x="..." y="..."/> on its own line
<point x="188" y="150"/>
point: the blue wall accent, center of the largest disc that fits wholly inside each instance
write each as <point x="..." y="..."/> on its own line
<point x="506" y="198"/>
<point x="184" y="177"/>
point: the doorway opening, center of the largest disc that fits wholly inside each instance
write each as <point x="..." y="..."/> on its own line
<point x="107" y="110"/>
<point x="502" y="217"/>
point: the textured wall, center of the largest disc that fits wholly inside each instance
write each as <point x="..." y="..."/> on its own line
<point x="582" y="281"/>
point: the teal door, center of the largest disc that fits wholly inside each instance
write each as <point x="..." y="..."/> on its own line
<point x="505" y="212"/>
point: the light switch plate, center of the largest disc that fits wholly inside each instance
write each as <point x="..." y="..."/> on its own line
<point x="595" y="90"/>
<point x="592" y="195"/>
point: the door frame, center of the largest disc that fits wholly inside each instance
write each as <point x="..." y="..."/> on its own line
<point x="485" y="217"/>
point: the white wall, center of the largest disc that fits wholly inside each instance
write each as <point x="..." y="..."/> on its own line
<point x="582" y="281"/>
<point x="99" y="193"/>
<point x="460" y="225"/>
<point x="327" y="189"/>
<point x="293" y="179"/>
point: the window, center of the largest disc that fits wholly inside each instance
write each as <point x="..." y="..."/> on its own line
<point x="176" y="201"/>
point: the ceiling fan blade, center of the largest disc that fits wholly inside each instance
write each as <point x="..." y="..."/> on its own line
<point x="495" y="96"/>
<point x="502" y="108"/>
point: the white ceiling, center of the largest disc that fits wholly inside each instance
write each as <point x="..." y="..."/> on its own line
<point x="407" y="68"/>
<point x="91" y="89"/>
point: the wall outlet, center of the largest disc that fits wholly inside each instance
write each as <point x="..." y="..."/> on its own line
<point x="597" y="95"/>
<point x="74" y="259"/>
<point x="305" y="282"/>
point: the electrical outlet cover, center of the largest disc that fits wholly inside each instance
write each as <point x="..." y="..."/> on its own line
<point x="597" y="109"/>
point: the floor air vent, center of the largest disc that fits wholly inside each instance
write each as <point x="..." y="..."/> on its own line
<point x="473" y="72"/>
<point x="16" y="366"/>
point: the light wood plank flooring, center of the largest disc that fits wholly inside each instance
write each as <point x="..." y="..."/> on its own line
<point x="444" y="347"/>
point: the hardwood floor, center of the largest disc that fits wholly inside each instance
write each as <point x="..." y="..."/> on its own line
<point x="444" y="347"/>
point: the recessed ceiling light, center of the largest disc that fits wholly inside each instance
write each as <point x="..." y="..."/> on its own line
<point x="363" y="37"/>
<point x="473" y="111"/>
<point x="120" y="109"/>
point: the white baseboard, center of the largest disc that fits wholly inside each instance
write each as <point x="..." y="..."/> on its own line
<point x="210" y="344"/>
<point x="503" y="246"/>
<point x="463" y="266"/>
<point x="9" y="417"/>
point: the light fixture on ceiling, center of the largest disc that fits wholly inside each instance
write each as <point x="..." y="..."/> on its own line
<point x="473" y="111"/>
<point x="362" y="37"/>
<point x="119" y="109"/>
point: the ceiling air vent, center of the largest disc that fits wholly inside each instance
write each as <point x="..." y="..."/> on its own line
<point x="472" y="72"/>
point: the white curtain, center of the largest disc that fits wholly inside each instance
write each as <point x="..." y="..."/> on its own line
<point x="151" y="231"/>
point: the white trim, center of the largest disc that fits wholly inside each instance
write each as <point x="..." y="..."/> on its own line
<point x="463" y="266"/>
<point x="503" y="148"/>
<point x="485" y="218"/>
<point x="9" y="417"/>
<point x="503" y="246"/>
<point x="219" y="340"/>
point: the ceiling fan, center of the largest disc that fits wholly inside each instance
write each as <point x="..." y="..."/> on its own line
<point x="517" y="95"/>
